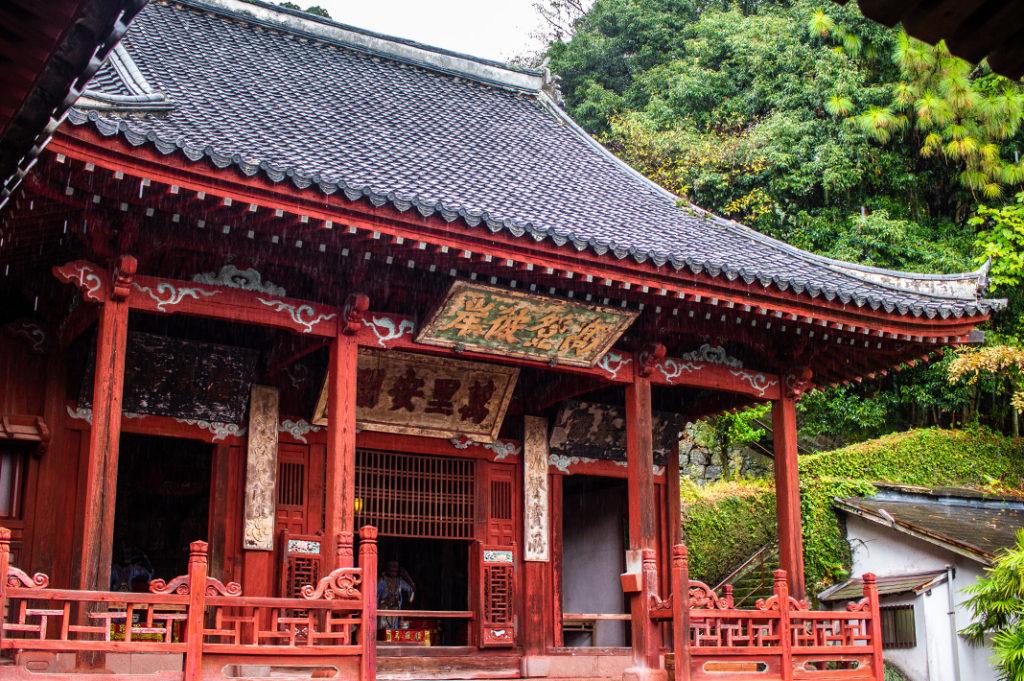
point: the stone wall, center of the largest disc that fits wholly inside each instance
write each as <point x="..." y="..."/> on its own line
<point x="702" y="466"/>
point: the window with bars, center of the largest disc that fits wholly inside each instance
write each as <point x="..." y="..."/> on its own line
<point x="412" y="495"/>
<point x="898" y="630"/>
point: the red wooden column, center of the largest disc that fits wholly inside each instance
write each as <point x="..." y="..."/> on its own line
<point x="339" y="511"/>
<point x="105" y="435"/>
<point x="642" y="526"/>
<point x="787" y="493"/>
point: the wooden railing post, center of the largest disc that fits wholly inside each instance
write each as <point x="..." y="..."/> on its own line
<point x="368" y="567"/>
<point x="649" y="569"/>
<point x="681" y="612"/>
<point x="197" y="569"/>
<point x="5" y="562"/>
<point x="343" y="551"/>
<point x="785" y="632"/>
<point x="871" y="594"/>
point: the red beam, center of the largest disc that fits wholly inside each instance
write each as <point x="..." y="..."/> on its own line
<point x="84" y="144"/>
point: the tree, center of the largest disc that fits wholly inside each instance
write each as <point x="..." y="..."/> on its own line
<point x="997" y="604"/>
<point x="1003" y="240"/>
<point x="1004" y="363"/>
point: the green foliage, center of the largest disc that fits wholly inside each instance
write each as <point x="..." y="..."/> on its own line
<point x="727" y="521"/>
<point x="826" y="553"/>
<point x="1003" y="240"/>
<point x="724" y="523"/>
<point x="315" y="9"/>
<point x="930" y="457"/>
<point x="997" y="604"/>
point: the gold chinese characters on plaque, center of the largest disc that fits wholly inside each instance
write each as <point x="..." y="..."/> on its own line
<point x="516" y="324"/>
<point x="410" y="394"/>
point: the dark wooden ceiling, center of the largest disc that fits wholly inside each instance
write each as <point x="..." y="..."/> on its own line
<point x="972" y="29"/>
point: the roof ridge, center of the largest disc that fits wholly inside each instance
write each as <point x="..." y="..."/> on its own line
<point x="303" y="24"/>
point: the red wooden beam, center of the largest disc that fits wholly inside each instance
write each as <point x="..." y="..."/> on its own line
<point x="85" y="144"/>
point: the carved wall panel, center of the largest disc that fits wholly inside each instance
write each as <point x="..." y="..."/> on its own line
<point x="535" y="488"/>
<point x="261" y="470"/>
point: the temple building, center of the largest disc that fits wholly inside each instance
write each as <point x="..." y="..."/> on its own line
<point x="276" y="280"/>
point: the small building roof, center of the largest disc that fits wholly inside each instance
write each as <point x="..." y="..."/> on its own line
<point x="330" y="108"/>
<point x="896" y="585"/>
<point x="962" y="523"/>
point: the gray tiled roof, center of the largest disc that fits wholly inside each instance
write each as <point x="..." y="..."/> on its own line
<point x="269" y="93"/>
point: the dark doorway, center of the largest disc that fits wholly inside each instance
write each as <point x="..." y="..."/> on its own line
<point x="163" y="504"/>
<point x="593" y="557"/>
<point x="438" y="568"/>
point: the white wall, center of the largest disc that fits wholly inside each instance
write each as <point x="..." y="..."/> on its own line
<point x="887" y="552"/>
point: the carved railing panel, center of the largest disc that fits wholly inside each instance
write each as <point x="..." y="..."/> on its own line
<point x="337" y="617"/>
<point x="782" y="634"/>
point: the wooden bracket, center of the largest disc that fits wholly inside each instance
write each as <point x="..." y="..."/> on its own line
<point x="650" y="355"/>
<point x="124" y="272"/>
<point x="798" y="382"/>
<point x="88" y="277"/>
<point x="356" y="306"/>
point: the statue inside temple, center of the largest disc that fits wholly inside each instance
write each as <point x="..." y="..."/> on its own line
<point x="394" y="590"/>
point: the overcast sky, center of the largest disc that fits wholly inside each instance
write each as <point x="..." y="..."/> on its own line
<point x="494" y="29"/>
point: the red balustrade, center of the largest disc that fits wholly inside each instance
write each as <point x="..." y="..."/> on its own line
<point x="337" y="617"/>
<point x="781" y="638"/>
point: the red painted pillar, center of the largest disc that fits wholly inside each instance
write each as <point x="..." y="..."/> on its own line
<point x="787" y="494"/>
<point x="341" y="449"/>
<point x="642" y="530"/>
<point x="104" y="443"/>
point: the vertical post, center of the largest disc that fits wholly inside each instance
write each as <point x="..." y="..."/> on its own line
<point x="649" y="591"/>
<point x="641" y="499"/>
<point x="197" y="569"/>
<point x="785" y="630"/>
<point x="681" y="611"/>
<point x="5" y="562"/>
<point x="675" y="515"/>
<point x="341" y="445"/>
<point x="104" y="442"/>
<point x="787" y="493"/>
<point x="534" y="633"/>
<point x="871" y="594"/>
<point x="368" y="566"/>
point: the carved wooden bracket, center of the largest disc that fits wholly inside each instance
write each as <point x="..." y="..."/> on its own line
<point x="356" y="306"/>
<point x="124" y="272"/>
<point x="18" y="428"/>
<point x="91" y="279"/>
<point x="798" y="382"/>
<point x="650" y="355"/>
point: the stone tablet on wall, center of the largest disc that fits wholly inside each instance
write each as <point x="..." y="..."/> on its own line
<point x="517" y="324"/>
<point x="410" y="394"/>
<point x="598" y="431"/>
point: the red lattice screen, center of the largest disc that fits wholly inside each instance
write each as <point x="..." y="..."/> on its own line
<point x="411" y="495"/>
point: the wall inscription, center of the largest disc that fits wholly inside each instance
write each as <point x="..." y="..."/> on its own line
<point x="516" y="324"/>
<point x="261" y="470"/>
<point x="535" y="488"/>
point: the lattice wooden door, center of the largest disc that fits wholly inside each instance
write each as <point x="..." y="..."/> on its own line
<point x="496" y="557"/>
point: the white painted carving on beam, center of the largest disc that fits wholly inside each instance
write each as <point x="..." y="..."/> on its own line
<point x="298" y="429"/>
<point x="759" y="382"/>
<point x="246" y="280"/>
<point x="613" y="363"/>
<point x="303" y="315"/>
<point x="385" y="329"/>
<point x="168" y="294"/>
